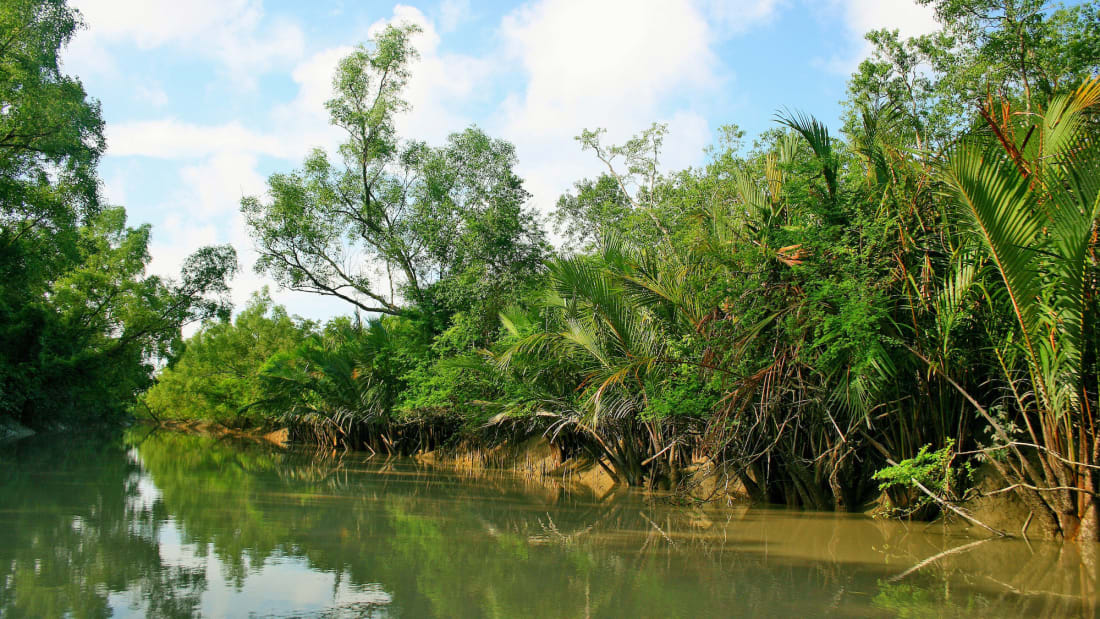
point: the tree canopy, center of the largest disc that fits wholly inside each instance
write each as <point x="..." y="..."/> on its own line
<point x="387" y="222"/>
<point x="82" y="324"/>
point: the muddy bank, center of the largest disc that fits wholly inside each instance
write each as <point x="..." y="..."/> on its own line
<point x="538" y="460"/>
<point x="534" y="458"/>
<point x="279" y="436"/>
<point x="1002" y="510"/>
<point x="707" y="483"/>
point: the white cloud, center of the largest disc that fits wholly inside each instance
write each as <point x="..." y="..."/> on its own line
<point x="908" y="17"/>
<point x="206" y="209"/>
<point x="452" y="14"/>
<point x="235" y="33"/>
<point x="303" y="122"/>
<point x="174" y="139"/>
<point x="218" y="166"/>
<point x="618" y="65"/>
<point x="215" y="186"/>
<point x="151" y="23"/>
<point x="580" y="53"/>
<point x="176" y="238"/>
<point x="736" y="16"/>
<point x="689" y="133"/>
<point x="206" y="212"/>
<point x="114" y="188"/>
<point x="440" y="85"/>
<point x="152" y="95"/>
<point x="85" y="55"/>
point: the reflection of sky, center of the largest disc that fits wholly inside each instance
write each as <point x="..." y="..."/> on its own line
<point x="283" y="586"/>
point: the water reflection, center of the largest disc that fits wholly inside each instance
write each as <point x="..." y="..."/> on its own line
<point x="172" y="525"/>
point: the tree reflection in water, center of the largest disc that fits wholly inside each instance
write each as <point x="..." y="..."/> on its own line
<point x="177" y="525"/>
<point x="76" y="539"/>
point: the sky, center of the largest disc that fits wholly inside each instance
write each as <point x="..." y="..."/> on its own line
<point x="204" y="99"/>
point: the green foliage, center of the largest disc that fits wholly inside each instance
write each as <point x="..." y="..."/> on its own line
<point x="81" y="323"/>
<point x="447" y="225"/>
<point x="216" y="376"/>
<point x="442" y="380"/>
<point x="804" y="310"/>
<point x="932" y="469"/>
<point x="344" y="373"/>
<point x="684" y="394"/>
<point x="592" y="211"/>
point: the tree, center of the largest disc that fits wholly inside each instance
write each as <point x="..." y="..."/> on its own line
<point x="51" y="138"/>
<point x="81" y="324"/>
<point x="1024" y="50"/>
<point x="88" y="346"/>
<point x="1013" y="47"/>
<point x="479" y="244"/>
<point x="394" y="218"/>
<point x="593" y="210"/>
<point x="47" y="124"/>
<point x="217" y="374"/>
<point x="1034" y="204"/>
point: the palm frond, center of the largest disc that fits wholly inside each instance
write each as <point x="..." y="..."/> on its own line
<point x="816" y="135"/>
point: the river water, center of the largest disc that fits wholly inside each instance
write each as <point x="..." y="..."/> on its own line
<point x="170" y="525"/>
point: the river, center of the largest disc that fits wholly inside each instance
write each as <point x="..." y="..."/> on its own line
<point x="171" y="525"/>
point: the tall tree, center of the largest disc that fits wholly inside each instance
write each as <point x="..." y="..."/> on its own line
<point x="1023" y="50"/>
<point x="80" y="321"/>
<point x="1034" y="203"/>
<point x="1015" y="47"/>
<point x="393" y="218"/>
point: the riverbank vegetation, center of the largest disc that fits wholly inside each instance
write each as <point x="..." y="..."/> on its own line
<point x="803" y="310"/>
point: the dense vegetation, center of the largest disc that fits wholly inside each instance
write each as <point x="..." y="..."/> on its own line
<point x="81" y="324"/>
<point x="804" y="311"/>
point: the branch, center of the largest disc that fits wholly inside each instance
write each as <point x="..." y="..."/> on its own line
<point x="939" y="501"/>
<point x="958" y="510"/>
<point x="1038" y="489"/>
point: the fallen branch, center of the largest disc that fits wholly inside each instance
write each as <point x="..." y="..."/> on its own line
<point x="958" y="510"/>
<point x="939" y="500"/>
<point x="658" y="454"/>
<point x="1045" y="450"/>
<point x="1039" y="489"/>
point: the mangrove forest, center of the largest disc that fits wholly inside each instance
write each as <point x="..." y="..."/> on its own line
<point x="898" y="314"/>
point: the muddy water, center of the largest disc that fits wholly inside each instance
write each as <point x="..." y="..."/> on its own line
<point x="178" y="526"/>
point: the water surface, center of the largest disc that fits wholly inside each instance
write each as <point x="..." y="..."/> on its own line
<point x="169" y="525"/>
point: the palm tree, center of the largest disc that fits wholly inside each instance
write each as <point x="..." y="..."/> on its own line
<point x="337" y="383"/>
<point x="609" y="320"/>
<point x="1032" y="200"/>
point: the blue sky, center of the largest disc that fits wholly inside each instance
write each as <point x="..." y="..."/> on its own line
<point x="204" y="99"/>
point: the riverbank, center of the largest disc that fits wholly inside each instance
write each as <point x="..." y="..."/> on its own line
<point x="278" y="436"/>
<point x="537" y="460"/>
